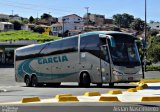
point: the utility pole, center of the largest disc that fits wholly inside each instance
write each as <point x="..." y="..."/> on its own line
<point x="37" y="15"/>
<point x="145" y="20"/>
<point x="63" y="27"/>
<point x="12" y="12"/>
<point x="87" y="8"/>
<point x="144" y="52"/>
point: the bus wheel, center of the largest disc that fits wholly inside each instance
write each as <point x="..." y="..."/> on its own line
<point x="28" y="81"/>
<point x="34" y="81"/>
<point x="111" y="84"/>
<point x="84" y="80"/>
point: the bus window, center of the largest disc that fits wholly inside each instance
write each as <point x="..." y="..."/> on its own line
<point x="52" y="48"/>
<point x="90" y="44"/>
<point x="69" y="45"/>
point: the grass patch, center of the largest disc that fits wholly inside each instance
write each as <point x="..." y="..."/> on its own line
<point x="152" y="68"/>
<point x="26" y="35"/>
<point x="152" y="79"/>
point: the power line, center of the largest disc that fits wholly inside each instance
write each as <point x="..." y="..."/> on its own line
<point x="35" y="5"/>
<point x="87" y="16"/>
<point x="33" y="9"/>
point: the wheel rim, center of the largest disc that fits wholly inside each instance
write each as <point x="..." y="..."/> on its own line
<point x="27" y="82"/>
<point x="34" y="81"/>
<point x="86" y="81"/>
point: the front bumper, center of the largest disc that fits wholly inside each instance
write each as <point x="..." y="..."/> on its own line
<point x="127" y="78"/>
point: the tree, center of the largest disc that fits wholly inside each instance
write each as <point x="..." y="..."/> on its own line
<point x="138" y="24"/>
<point x="3" y="20"/>
<point x="38" y="29"/>
<point x="31" y="19"/>
<point x="153" y="51"/>
<point x="17" y="24"/>
<point x="117" y="19"/>
<point x="45" y="16"/>
<point x="123" y="20"/>
<point x="152" y="21"/>
<point x="24" y="20"/>
<point x="154" y="32"/>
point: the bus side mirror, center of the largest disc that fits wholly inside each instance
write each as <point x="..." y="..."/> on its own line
<point x="110" y="38"/>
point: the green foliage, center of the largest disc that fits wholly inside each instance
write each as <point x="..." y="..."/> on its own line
<point x="45" y="16"/>
<point x="138" y="24"/>
<point x="25" y="21"/>
<point x="17" y="24"/>
<point x="3" y="20"/>
<point x="123" y="20"/>
<point x="31" y="19"/>
<point x="38" y="29"/>
<point x="152" y="68"/>
<point x="154" y="32"/>
<point x="154" y="49"/>
<point x="25" y="35"/>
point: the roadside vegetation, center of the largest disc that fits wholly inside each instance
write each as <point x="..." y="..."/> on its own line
<point x="152" y="68"/>
<point x="25" y="35"/>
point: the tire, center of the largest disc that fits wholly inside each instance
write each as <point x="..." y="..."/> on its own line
<point x="27" y="81"/>
<point x="99" y="84"/>
<point x="34" y="81"/>
<point x="111" y="84"/>
<point x="85" y="80"/>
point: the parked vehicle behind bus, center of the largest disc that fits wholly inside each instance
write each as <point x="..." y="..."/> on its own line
<point x="95" y="57"/>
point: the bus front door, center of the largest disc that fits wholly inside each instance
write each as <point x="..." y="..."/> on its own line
<point x="105" y="64"/>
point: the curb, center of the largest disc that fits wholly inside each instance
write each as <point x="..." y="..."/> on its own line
<point x="61" y="95"/>
<point x="115" y="92"/>
<point x="132" y="90"/>
<point x="96" y="93"/>
<point x="150" y="99"/>
<point x="33" y="99"/>
<point x="68" y="99"/>
<point x="139" y="88"/>
<point x="109" y="99"/>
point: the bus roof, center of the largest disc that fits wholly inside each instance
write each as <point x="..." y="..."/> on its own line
<point x="104" y="32"/>
<point x="28" y="46"/>
<point x="83" y="34"/>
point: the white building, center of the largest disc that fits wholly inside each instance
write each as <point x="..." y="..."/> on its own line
<point x="67" y="23"/>
<point x="6" y="26"/>
<point x="15" y="17"/>
<point x="4" y="16"/>
<point x="155" y="25"/>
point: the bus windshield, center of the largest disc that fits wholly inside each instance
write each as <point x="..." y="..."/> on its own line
<point x="125" y="52"/>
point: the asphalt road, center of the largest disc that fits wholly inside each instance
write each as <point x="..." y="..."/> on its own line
<point x="12" y="91"/>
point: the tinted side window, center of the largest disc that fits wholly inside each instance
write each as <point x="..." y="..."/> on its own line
<point x="30" y="52"/>
<point x="52" y="48"/>
<point x="62" y="46"/>
<point x="90" y="44"/>
<point x="69" y="45"/>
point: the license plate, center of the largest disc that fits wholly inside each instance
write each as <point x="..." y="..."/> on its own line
<point x="130" y="78"/>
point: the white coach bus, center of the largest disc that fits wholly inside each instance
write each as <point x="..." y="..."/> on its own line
<point x="95" y="57"/>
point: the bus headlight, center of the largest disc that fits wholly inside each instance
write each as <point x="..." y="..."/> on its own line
<point x="117" y="73"/>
